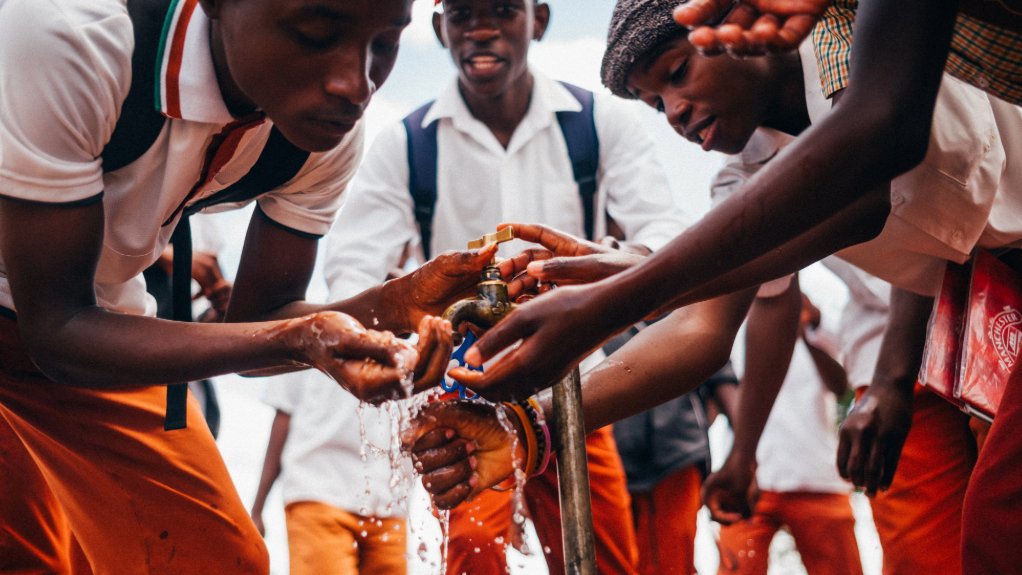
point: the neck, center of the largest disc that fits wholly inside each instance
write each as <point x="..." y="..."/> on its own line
<point x="502" y="112"/>
<point x="237" y="102"/>
<point x="788" y="112"/>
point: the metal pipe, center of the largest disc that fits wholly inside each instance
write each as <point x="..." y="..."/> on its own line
<point x="573" y="478"/>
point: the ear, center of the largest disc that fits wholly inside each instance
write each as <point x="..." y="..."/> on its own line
<point x="541" y="19"/>
<point x="211" y="8"/>
<point x="438" y="28"/>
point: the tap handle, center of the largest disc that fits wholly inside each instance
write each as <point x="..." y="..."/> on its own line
<point x="505" y="235"/>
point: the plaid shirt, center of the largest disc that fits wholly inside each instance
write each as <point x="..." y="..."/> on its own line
<point x="981" y="54"/>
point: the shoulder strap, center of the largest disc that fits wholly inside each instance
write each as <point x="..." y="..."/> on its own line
<point x="140" y="122"/>
<point x="422" y="171"/>
<point x="579" y="129"/>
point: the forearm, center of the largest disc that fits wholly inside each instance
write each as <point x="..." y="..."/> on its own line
<point x="901" y="350"/>
<point x="664" y="361"/>
<point x="94" y="347"/>
<point x="771" y="332"/>
<point x="271" y="463"/>
<point x="832" y="373"/>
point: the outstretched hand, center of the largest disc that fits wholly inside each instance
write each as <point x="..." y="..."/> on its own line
<point x="749" y="27"/>
<point x="731" y="492"/>
<point x="872" y="437"/>
<point x="373" y="365"/>
<point x="461" y="448"/>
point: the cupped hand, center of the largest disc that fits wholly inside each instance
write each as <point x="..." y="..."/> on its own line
<point x="749" y="27"/>
<point x="370" y="364"/>
<point x="440" y="282"/>
<point x="872" y="436"/>
<point x="556" y="332"/>
<point x="462" y="448"/>
<point x="731" y="492"/>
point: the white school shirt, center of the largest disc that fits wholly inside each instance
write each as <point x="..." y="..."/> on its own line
<point x="964" y="194"/>
<point x="863" y="320"/>
<point x="481" y="184"/>
<point x="322" y="455"/>
<point x="66" y="69"/>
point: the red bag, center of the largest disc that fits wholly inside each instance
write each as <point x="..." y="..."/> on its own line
<point x="975" y="335"/>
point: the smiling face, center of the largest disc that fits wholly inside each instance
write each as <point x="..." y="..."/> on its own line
<point x="311" y="65"/>
<point x="714" y="102"/>
<point x="489" y="41"/>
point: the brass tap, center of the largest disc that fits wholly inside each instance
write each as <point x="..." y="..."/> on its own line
<point x="491" y="303"/>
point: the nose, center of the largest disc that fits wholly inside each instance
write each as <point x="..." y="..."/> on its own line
<point x="482" y="35"/>
<point x="677" y="112"/>
<point x="348" y="76"/>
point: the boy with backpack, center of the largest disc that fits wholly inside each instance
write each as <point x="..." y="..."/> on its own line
<point x="506" y="142"/>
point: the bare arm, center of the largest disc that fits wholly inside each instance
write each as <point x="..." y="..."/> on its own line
<point x="832" y="373"/>
<point x="874" y="432"/>
<point x="271" y="465"/>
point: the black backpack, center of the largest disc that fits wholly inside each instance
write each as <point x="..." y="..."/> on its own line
<point x="578" y="128"/>
<point x="137" y="129"/>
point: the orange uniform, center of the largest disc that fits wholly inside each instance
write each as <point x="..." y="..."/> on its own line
<point x="919" y="518"/>
<point x="665" y="523"/>
<point x="100" y="467"/>
<point x="821" y="523"/>
<point x="325" y="540"/>
<point x="480" y="528"/>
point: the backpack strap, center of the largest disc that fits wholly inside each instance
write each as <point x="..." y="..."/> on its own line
<point x="422" y="171"/>
<point x="579" y="129"/>
<point x="140" y="122"/>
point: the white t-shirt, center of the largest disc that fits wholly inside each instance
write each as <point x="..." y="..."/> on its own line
<point x="66" y="70"/>
<point x="322" y="455"/>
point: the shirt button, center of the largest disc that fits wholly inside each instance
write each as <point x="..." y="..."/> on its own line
<point x="981" y="81"/>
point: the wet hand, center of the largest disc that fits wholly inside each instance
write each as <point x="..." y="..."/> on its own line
<point x="462" y="448"/>
<point x="370" y="364"/>
<point x="731" y="492"/>
<point x="872" y="436"/>
<point x="749" y="27"/>
<point x="440" y="282"/>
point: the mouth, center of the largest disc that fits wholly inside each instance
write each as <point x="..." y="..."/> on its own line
<point x="334" y="125"/>
<point x="702" y="132"/>
<point x="483" y="64"/>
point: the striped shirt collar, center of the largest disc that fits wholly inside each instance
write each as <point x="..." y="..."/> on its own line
<point x="187" y="86"/>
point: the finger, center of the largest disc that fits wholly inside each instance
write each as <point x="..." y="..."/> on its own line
<point x="790" y="35"/>
<point x="508" y="332"/>
<point x="706" y="41"/>
<point x="763" y="34"/>
<point x="515" y="265"/>
<point x="698" y="12"/>
<point x="444" y="478"/>
<point x="874" y="469"/>
<point x="437" y="353"/>
<point x="369" y="346"/>
<point x="453" y="496"/>
<point x="446" y="455"/>
<point x="844" y="448"/>
<point x="415" y="441"/>
<point x="558" y="242"/>
<point x="857" y="461"/>
<point x="522" y="284"/>
<point x="891" y="457"/>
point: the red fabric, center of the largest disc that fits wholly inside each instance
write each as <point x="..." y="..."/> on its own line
<point x="665" y="523"/>
<point x="475" y="525"/>
<point x="132" y="494"/>
<point x="991" y="518"/>
<point x="919" y="517"/>
<point x="822" y="525"/>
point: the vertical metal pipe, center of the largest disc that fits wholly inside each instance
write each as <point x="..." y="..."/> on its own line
<point x="573" y="478"/>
